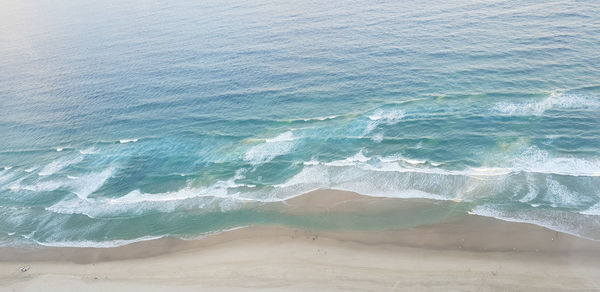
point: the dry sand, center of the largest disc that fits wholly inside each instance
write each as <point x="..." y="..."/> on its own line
<point x="469" y="253"/>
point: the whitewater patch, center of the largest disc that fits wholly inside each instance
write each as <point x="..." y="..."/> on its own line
<point x="559" y="195"/>
<point x="6" y="176"/>
<point x="85" y="185"/>
<point x="81" y="186"/>
<point x="532" y="160"/>
<point x="536" y="160"/>
<point x="320" y="118"/>
<point x="57" y="165"/>
<point x="97" y="244"/>
<point x="218" y="196"/>
<point x="124" y="141"/>
<point x="556" y="100"/>
<point x="398" y="176"/>
<point x="378" y="137"/>
<point x="372" y="176"/>
<point x="532" y="190"/>
<point x="88" y="151"/>
<point x="593" y="210"/>
<point x="561" y="221"/>
<point x="271" y="148"/>
<point x="352" y="160"/>
<point x="383" y="117"/>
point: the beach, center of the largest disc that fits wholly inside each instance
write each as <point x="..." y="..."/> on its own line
<point x="299" y="145"/>
<point x="470" y="253"/>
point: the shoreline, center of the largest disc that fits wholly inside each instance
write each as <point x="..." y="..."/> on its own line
<point x="467" y="252"/>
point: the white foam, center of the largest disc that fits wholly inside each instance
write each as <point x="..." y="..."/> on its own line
<point x="361" y="174"/>
<point x="42" y="186"/>
<point x="570" y="223"/>
<point x="128" y="140"/>
<point x="320" y="118"/>
<point x="88" y="151"/>
<point x="286" y="136"/>
<point x="311" y="162"/>
<point x="540" y="161"/>
<point x="556" y="100"/>
<point x="97" y="244"/>
<point x="532" y="191"/>
<point x="57" y="165"/>
<point x="393" y="160"/>
<point x="593" y="210"/>
<point x="377" y="138"/>
<point x="489" y="171"/>
<point x="395" y="174"/>
<point x="533" y="161"/>
<point x="85" y="185"/>
<point x="387" y="115"/>
<point x="81" y="186"/>
<point x="7" y="167"/>
<point x="352" y="160"/>
<point x="137" y="201"/>
<point x="59" y="149"/>
<point x="215" y="232"/>
<point x="559" y="195"/>
<point x="415" y="161"/>
<point x="271" y="148"/>
<point x="6" y="176"/>
<point x="381" y="116"/>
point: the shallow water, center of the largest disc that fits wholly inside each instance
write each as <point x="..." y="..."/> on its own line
<point x="132" y="120"/>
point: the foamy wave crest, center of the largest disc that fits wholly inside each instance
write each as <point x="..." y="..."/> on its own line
<point x="536" y="160"/>
<point x="85" y="185"/>
<point x="352" y="160"/>
<point x="217" y="197"/>
<point x="42" y="186"/>
<point x="81" y="186"/>
<point x="6" y="176"/>
<point x="397" y="176"/>
<point x="57" y="165"/>
<point x="377" y="138"/>
<point x="554" y="101"/>
<point x="97" y="244"/>
<point x="88" y="151"/>
<point x="366" y="182"/>
<point x="271" y="148"/>
<point x="562" y="221"/>
<point x="320" y="118"/>
<point x="593" y="210"/>
<point x="128" y="140"/>
<point x="383" y="117"/>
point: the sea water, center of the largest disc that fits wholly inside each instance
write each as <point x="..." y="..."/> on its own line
<point x="131" y="120"/>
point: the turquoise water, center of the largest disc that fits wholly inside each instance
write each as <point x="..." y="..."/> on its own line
<point x="128" y="120"/>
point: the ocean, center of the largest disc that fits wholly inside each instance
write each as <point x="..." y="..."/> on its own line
<point x="123" y="121"/>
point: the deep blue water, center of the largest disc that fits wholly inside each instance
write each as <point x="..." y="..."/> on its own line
<point x="126" y="120"/>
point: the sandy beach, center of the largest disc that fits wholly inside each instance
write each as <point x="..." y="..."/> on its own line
<point x="182" y="145"/>
<point x="469" y="253"/>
